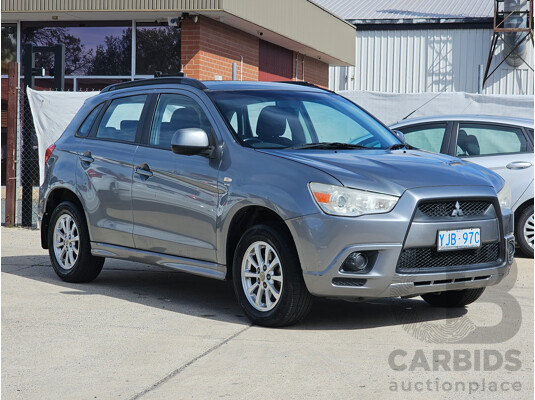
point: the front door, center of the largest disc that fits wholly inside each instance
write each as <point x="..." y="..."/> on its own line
<point x="175" y="197"/>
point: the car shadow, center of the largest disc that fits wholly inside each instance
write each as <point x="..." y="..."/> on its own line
<point x="212" y="299"/>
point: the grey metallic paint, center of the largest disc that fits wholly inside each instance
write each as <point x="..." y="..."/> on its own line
<point x="180" y="216"/>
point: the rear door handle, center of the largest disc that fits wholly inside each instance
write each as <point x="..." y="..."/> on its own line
<point x="86" y="157"/>
<point x="519" y="165"/>
<point x="144" y="170"/>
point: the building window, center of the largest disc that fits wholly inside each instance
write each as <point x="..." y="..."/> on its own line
<point x="157" y="49"/>
<point x="91" y="48"/>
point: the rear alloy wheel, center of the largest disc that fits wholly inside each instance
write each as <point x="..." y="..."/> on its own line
<point x="524" y="231"/>
<point x="453" y="298"/>
<point x="267" y="278"/>
<point x="68" y="245"/>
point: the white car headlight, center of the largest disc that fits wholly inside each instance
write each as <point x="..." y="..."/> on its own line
<point x="504" y="196"/>
<point x="342" y="201"/>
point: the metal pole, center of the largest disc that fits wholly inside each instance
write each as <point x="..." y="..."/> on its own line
<point x="480" y="77"/>
<point x="11" y="156"/>
<point x="133" y="55"/>
<point x="234" y="71"/>
<point x="59" y="67"/>
<point x="27" y="138"/>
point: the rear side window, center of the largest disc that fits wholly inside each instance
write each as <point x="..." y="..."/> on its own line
<point x="426" y="137"/>
<point x="121" y="119"/>
<point x="486" y="139"/>
<point x="86" y="126"/>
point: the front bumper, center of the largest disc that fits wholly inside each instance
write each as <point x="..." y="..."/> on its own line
<point x="324" y="242"/>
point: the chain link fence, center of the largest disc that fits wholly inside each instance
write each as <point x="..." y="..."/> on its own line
<point x="27" y="168"/>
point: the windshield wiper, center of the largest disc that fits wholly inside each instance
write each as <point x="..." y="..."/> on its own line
<point x="329" y="146"/>
<point x="399" y="146"/>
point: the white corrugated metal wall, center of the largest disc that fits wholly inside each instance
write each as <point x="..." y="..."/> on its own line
<point x="434" y="60"/>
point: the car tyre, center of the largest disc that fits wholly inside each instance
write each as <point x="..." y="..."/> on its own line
<point x="268" y="279"/>
<point x="524" y="231"/>
<point x="69" y="245"/>
<point x="453" y="298"/>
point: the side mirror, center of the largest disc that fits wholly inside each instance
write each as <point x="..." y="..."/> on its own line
<point x="400" y="136"/>
<point x="190" y="142"/>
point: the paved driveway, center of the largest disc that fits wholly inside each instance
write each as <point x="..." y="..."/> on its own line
<point x="141" y="332"/>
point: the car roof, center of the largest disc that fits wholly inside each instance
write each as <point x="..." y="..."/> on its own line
<point x="525" y="122"/>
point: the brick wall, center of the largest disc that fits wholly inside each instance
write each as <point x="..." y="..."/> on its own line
<point x="209" y="48"/>
<point x="316" y="71"/>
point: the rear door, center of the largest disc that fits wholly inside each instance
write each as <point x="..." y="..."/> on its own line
<point x="175" y="197"/>
<point x="504" y="149"/>
<point x="104" y="173"/>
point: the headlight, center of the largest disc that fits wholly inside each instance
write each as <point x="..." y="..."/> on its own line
<point x="339" y="200"/>
<point x="504" y="196"/>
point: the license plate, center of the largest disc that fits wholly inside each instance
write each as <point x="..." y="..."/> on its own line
<point x="459" y="239"/>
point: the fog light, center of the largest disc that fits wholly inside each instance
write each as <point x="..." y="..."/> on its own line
<point x="355" y="262"/>
<point x="510" y="251"/>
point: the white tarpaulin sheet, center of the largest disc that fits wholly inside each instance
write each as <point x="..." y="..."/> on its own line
<point x="52" y="112"/>
<point x="391" y="107"/>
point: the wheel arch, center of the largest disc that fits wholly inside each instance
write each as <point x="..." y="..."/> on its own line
<point x="56" y="197"/>
<point x="242" y="220"/>
<point x="522" y="207"/>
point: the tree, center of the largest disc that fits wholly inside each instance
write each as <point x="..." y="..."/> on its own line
<point x="114" y="56"/>
<point x="77" y="57"/>
<point x="157" y="50"/>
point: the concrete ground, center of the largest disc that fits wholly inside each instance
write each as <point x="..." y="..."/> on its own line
<point x="140" y="332"/>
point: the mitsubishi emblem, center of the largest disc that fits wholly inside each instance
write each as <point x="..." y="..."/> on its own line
<point x="457" y="212"/>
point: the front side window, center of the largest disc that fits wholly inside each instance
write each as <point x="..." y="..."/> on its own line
<point x="293" y="119"/>
<point x="175" y="112"/>
<point x="121" y="119"/>
<point x="475" y="139"/>
<point x="426" y="137"/>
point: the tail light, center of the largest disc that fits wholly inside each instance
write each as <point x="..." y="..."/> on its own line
<point x="49" y="151"/>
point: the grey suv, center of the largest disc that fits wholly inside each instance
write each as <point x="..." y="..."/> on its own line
<point x="290" y="191"/>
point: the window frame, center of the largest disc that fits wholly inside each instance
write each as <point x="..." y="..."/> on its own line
<point x="152" y="104"/>
<point x="102" y="106"/>
<point x="446" y="139"/>
<point x="456" y="124"/>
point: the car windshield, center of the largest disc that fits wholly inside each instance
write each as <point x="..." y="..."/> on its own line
<point x="300" y="120"/>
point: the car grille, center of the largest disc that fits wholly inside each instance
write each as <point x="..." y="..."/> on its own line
<point x="421" y="260"/>
<point x="438" y="209"/>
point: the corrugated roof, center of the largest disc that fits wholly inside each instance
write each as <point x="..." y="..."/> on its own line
<point x="408" y="9"/>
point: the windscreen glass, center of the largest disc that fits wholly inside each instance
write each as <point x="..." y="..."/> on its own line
<point x="293" y="119"/>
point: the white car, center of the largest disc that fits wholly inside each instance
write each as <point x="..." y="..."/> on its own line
<point x="504" y="145"/>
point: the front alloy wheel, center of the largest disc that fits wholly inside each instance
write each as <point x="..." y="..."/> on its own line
<point x="267" y="277"/>
<point x="262" y="278"/>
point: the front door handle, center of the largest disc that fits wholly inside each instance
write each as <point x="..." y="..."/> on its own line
<point x="86" y="157"/>
<point x="519" y="165"/>
<point x="144" y="170"/>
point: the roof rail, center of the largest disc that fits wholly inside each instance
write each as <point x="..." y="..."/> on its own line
<point x="156" y="81"/>
<point x="303" y="83"/>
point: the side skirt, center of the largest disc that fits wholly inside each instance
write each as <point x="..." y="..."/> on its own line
<point x="196" y="267"/>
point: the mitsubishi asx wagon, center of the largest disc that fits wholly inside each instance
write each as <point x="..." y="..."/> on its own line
<point x="287" y="190"/>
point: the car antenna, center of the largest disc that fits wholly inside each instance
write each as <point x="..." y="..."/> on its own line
<point x="428" y="101"/>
